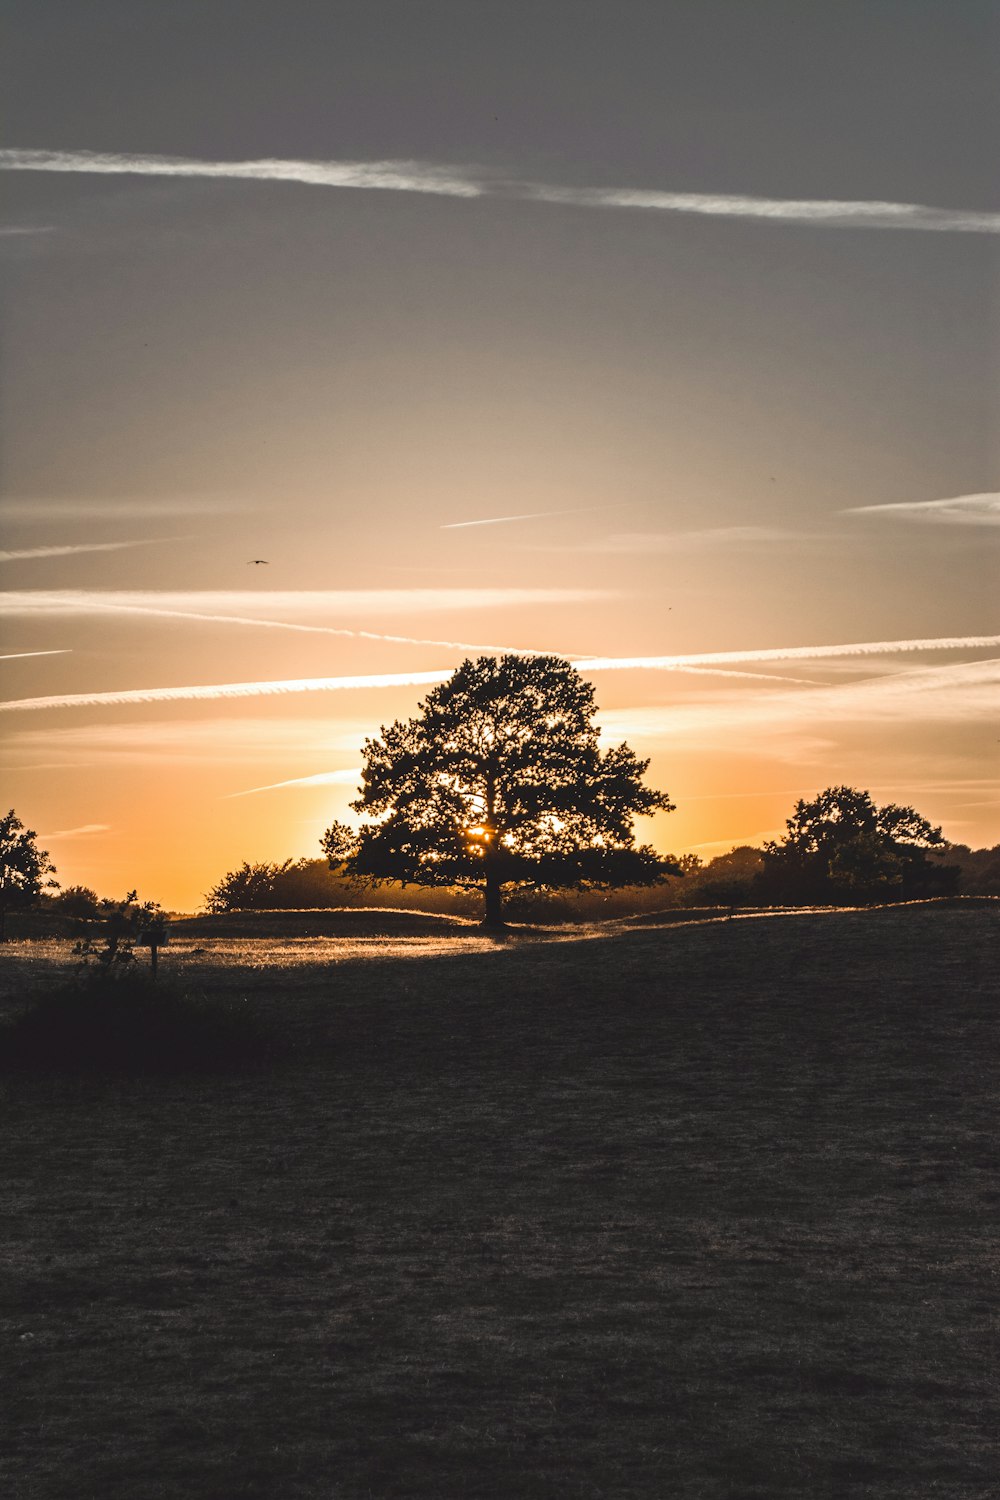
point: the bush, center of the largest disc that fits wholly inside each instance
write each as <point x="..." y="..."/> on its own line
<point x="75" y="901"/>
<point x="129" y="1022"/>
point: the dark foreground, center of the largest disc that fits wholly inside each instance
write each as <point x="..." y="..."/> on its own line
<point x="698" y="1212"/>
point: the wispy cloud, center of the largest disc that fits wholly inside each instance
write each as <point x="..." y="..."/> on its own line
<point x="71" y="549"/>
<point x="235" y="604"/>
<point x="24" y="231"/>
<point x="456" y="181"/>
<point x="790" y="653"/>
<point x="232" y="690"/>
<point x="221" y="738"/>
<point x="705" y="660"/>
<point x="69" y="602"/>
<point x="533" y="515"/>
<point x="822" y="213"/>
<point x="960" y="692"/>
<point x="960" y="510"/>
<point x="16" y="655"/>
<point x="322" y="778"/>
<point x="86" y="830"/>
<point x="392" y="176"/>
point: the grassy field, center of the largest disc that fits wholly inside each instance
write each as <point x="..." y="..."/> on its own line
<point x="706" y="1210"/>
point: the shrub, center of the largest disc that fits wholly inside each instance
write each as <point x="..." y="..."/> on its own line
<point x="75" y="901"/>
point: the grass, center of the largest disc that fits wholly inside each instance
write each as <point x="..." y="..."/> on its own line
<point x="131" y="1023"/>
<point x="701" y="1211"/>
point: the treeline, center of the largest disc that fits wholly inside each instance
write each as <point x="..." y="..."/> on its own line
<point x="839" y="849"/>
<point x="740" y="878"/>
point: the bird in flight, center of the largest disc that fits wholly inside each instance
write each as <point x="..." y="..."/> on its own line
<point x="258" y="562"/>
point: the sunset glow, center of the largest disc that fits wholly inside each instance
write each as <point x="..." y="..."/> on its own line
<point x="320" y="379"/>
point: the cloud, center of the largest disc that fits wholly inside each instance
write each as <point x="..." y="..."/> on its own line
<point x="16" y="655"/>
<point x="23" y="231"/>
<point x="789" y="653"/>
<point x="74" y="602"/>
<point x="84" y="831"/>
<point x="322" y="778"/>
<point x="224" y="739"/>
<point x="533" y="515"/>
<point x="72" y="548"/>
<point x="474" y="182"/>
<point x="232" y="690"/>
<point x="961" y="692"/>
<point x="705" y="660"/>
<point x="232" y="603"/>
<point x="828" y="213"/>
<point x="960" y="510"/>
<point x="392" y="176"/>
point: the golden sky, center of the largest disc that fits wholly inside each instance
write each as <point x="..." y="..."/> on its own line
<point x="512" y="361"/>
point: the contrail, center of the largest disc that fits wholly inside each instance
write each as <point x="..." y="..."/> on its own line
<point x="532" y="515"/>
<point x="323" y="778"/>
<point x="72" y="548"/>
<point x="828" y="213"/>
<point x="284" y="685"/>
<point x="352" y="602"/>
<point x="75" y="833"/>
<point x="474" y="182"/>
<point x="70" y="602"/>
<point x="787" y="653"/>
<point x="233" y="690"/>
<point x="16" y="655"/>
<point x="703" y="662"/>
<point x="393" y="176"/>
<point x="943" y="695"/>
<point x="963" y="510"/>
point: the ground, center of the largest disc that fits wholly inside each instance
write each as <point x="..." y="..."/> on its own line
<point x="704" y="1210"/>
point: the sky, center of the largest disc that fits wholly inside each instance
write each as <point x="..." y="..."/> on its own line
<point x="664" y="336"/>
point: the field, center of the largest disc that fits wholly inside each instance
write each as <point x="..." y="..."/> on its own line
<point x="702" y="1210"/>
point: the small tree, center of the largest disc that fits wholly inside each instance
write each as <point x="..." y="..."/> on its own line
<point x="842" y="848"/>
<point x="500" y="784"/>
<point x="75" y="901"/>
<point x="23" y="868"/>
<point x="250" y="888"/>
<point x="108" y="954"/>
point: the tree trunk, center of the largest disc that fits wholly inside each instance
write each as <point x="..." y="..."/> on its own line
<point x="493" y="905"/>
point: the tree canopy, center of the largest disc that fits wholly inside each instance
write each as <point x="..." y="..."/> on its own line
<point x="500" y="783"/>
<point x="23" y="867"/>
<point x="841" y="847"/>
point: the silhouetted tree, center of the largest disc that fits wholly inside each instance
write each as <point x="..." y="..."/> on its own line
<point x="250" y="888"/>
<point x="75" y="901"/>
<point x="500" y="784"/>
<point x="23" y="868"/>
<point x="842" y="848"/>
